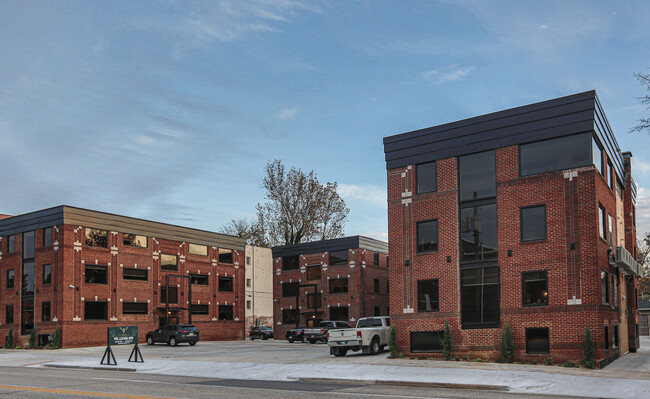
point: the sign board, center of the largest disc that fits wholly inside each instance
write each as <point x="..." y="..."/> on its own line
<point x="122" y="335"/>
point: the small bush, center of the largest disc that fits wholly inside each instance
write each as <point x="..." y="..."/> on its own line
<point x="588" y="351"/>
<point x="392" y="342"/>
<point x="56" y="340"/>
<point x="507" y="345"/>
<point x="548" y="361"/>
<point x="569" y="364"/>
<point x="478" y="360"/>
<point x="447" y="345"/>
<point x="19" y="347"/>
<point x="10" y="339"/>
<point x="32" y="338"/>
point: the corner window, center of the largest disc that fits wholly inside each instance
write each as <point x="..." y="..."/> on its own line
<point x="427" y="232"/>
<point x="535" y="288"/>
<point x="480" y="297"/>
<point x="47" y="237"/>
<point x="199" y="279"/>
<point x="129" y="273"/>
<point x="225" y="284"/>
<point x="289" y="316"/>
<point x="533" y="223"/>
<point x="604" y="290"/>
<point x="290" y="289"/>
<point x="46" y="311"/>
<point x="537" y="340"/>
<point x="290" y="262"/>
<point x="602" y="222"/>
<point x="10" y="278"/>
<point x="168" y="262"/>
<point x="426" y="177"/>
<point x="476" y="176"/>
<point x="554" y="154"/>
<point x="196" y="249"/>
<point x="95" y="310"/>
<point x="426" y="341"/>
<point x="225" y="255"/>
<point x="338" y="285"/>
<point x="96" y="238"/>
<point x="134" y="308"/>
<point x="200" y="309"/>
<point x="314" y="272"/>
<point x="338" y="257"/>
<point x="96" y="274"/>
<point x="226" y="312"/>
<point x="47" y="273"/>
<point x="339" y="313"/>
<point x="428" y="295"/>
<point x="134" y="240"/>
<point x="478" y="235"/>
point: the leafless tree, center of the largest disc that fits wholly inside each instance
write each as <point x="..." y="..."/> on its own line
<point x="643" y="123"/>
<point x="244" y="228"/>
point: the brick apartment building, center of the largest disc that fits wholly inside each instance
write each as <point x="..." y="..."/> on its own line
<point x="85" y="270"/>
<point x="524" y="216"/>
<point x="340" y="279"/>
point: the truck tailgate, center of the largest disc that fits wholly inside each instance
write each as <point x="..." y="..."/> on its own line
<point x="346" y="334"/>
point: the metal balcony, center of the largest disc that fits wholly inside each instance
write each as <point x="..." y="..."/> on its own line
<point x="625" y="261"/>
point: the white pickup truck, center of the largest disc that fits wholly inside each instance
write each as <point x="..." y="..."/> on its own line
<point x="371" y="336"/>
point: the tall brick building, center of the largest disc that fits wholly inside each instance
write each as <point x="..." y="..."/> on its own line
<point x="524" y="216"/>
<point x="85" y="270"/>
<point x="340" y="279"/>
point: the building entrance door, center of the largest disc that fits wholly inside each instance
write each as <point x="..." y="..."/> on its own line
<point x="162" y="320"/>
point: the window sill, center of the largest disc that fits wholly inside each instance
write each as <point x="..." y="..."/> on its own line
<point x="476" y="326"/>
<point x="429" y="311"/>
<point x="534" y="241"/>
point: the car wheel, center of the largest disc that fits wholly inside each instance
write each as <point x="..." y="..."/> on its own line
<point x="192" y="343"/>
<point x="172" y="341"/>
<point x="264" y="337"/>
<point x="252" y="338"/>
<point x="340" y="352"/>
<point x="290" y="339"/>
<point x="312" y="341"/>
<point x="374" y="346"/>
<point x="149" y="341"/>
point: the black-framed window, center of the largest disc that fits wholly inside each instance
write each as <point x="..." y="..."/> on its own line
<point x="47" y="273"/>
<point x="46" y="311"/>
<point x="604" y="289"/>
<point x="135" y="308"/>
<point x="537" y="340"/>
<point x="619" y="189"/>
<point x="426" y="177"/>
<point x="9" y="314"/>
<point x="28" y="279"/>
<point x="427" y="231"/>
<point x="11" y="244"/>
<point x="339" y="257"/>
<point x="426" y="341"/>
<point x="480" y="297"/>
<point x="428" y="300"/>
<point x="610" y="229"/>
<point x="129" y="273"/>
<point x="168" y="262"/>
<point x="314" y="300"/>
<point x="199" y="279"/>
<point x="597" y="156"/>
<point x="615" y="335"/>
<point x="290" y="262"/>
<point x="375" y="259"/>
<point x="602" y="222"/>
<point x="95" y="310"/>
<point x="225" y="255"/>
<point x="10" y="279"/>
<point x="29" y="245"/>
<point x="314" y="272"/>
<point x="290" y="289"/>
<point x="96" y="238"/>
<point x="226" y="312"/>
<point x="47" y="237"/>
<point x="611" y="176"/>
<point x="533" y="222"/>
<point x="535" y="288"/>
<point x="96" y="274"/>
<point x="476" y="176"/>
<point x="339" y="313"/>
<point x="196" y="249"/>
<point x="225" y="284"/>
<point x="376" y="286"/>
<point x="555" y="154"/>
<point x="289" y="316"/>
<point x="338" y="285"/>
<point x="173" y="294"/>
<point x="478" y="235"/>
<point x="201" y="309"/>
<point x="612" y="290"/>
<point x="134" y="240"/>
<point x="606" y="342"/>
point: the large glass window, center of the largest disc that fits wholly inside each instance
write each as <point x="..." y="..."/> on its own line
<point x="168" y="262"/>
<point x="199" y="279"/>
<point x="96" y="238"/>
<point x="426" y="341"/>
<point x="597" y="156"/>
<point x="200" y="309"/>
<point x="225" y="284"/>
<point x="537" y="340"/>
<point x="478" y="236"/>
<point x="47" y="237"/>
<point x="314" y="301"/>
<point x="196" y="249"/>
<point x="313" y="272"/>
<point x="28" y="245"/>
<point x="129" y="273"/>
<point x="555" y="154"/>
<point x="28" y="278"/>
<point x="134" y="240"/>
<point x="289" y="316"/>
<point x="602" y="222"/>
<point x="95" y="310"/>
<point x="339" y="313"/>
<point x="10" y="278"/>
<point x="338" y="285"/>
<point x="225" y="255"/>
<point x="477" y="176"/>
<point x="604" y="289"/>
<point x="426" y="177"/>
<point x="428" y="295"/>
<point x="11" y="244"/>
<point x="47" y="273"/>
<point x="480" y="296"/>
<point x="173" y="294"/>
<point x="290" y="289"/>
<point x="339" y="257"/>
<point x="96" y="274"/>
<point x="533" y="223"/>
<point x="226" y="312"/>
<point x="427" y="236"/>
<point x="290" y="262"/>
<point x="535" y="288"/>
<point x="134" y="308"/>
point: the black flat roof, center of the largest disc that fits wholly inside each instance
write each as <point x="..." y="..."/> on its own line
<point x="336" y="244"/>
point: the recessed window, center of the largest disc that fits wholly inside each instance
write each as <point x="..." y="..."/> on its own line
<point x="428" y="295"/>
<point x="604" y="289"/>
<point x="129" y="273"/>
<point x="196" y="249"/>
<point x="597" y="157"/>
<point x="173" y="294"/>
<point x="427" y="236"/>
<point x="225" y="284"/>
<point x="47" y="237"/>
<point x="610" y="226"/>
<point x="477" y="177"/>
<point x="612" y="290"/>
<point x="201" y="309"/>
<point x="606" y="337"/>
<point x="480" y="297"/>
<point x="375" y="259"/>
<point x="95" y="310"/>
<point x="426" y="177"/>
<point x="339" y="313"/>
<point x="248" y="283"/>
<point x="314" y="272"/>
<point x="29" y="245"/>
<point x="555" y="154"/>
<point x="478" y="235"/>
<point x="168" y="262"/>
<point x="134" y="308"/>
<point x="226" y="312"/>
<point x="290" y="289"/>
<point x="537" y="341"/>
<point x="290" y="262"/>
<point x="602" y="222"/>
<point x="339" y="258"/>
<point x="225" y="255"/>
<point x="96" y="274"/>
<point x="615" y="334"/>
<point x="10" y="278"/>
<point x="248" y="304"/>
<point x="96" y="238"/>
<point x="611" y="175"/>
<point x="46" y="310"/>
<point x="533" y="223"/>
<point x="376" y="286"/>
<point x="134" y="240"/>
<point x="248" y="260"/>
<point x="199" y="279"/>
<point x="535" y="288"/>
<point x="9" y="314"/>
<point x="289" y="316"/>
<point x="377" y="311"/>
<point x="47" y="273"/>
<point x="426" y="341"/>
<point x="11" y="244"/>
<point x="338" y="285"/>
<point x="314" y="301"/>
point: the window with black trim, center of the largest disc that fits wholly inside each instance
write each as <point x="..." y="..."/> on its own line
<point x="134" y="240"/>
<point x="290" y="289"/>
<point x="196" y="249"/>
<point x="427" y="232"/>
<point x="46" y="311"/>
<point x="426" y="177"/>
<point x="289" y="316"/>
<point x="555" y="154"/>
<point x="10" y="279"/>
<point x="597" y="156"/>
<point x="606" y="337"/>
<point x="428" y="300"/>
<point x="226" y="312"/>
<point x="199" y="279"/>
<point x="11" y="244"/>
<point x="376" y="286"/>
<point x="611" y="175"/>
<point x="168" y="262"/>
<point x="339" y="313"/>
<point x="537" y="340"/>
<point x="375" y="259"/>
<point x="129" y="273"/>
<point x="173" y="294"/>
<point x="314" y="301"/>
<point x="476" y="176"/>
<point x="225" y="284"/>
<point x="314" y="272"/>
<point x="29" y="245"/>
<point x="615" y="334"/>
<point x="338" y="285"/>
<point x="95" y="310"/>
<point x="426" y="341"/>
<point x="47" y="274"/>
<point x="610" y="228"/>
<point x="96" y="274"/>
<point x="96" y="238"/>
<point x="612" y="290"/>
<point x="202" y="309"/>
<point x="480" y="297"/>
<point x="535" y="288"/>
<point x="9" y="314"/>
<point x="604" y="289"/>
<point x="602" y="222"/>
<point x="135" y="308"/>
<point x="47" y="237"/>
<point x="533" y="223"/>
<point x="478" y="235"/>
<point x="290" y="262"/>
<point x="338" y="257"/>
<point x="225" y="255"/>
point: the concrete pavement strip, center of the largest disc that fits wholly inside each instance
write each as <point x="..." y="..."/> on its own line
<point x="444" y="385"/>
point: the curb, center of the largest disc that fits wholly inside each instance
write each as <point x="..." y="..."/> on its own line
<point x="61" y="366"/>
<point x="418" y="384"/>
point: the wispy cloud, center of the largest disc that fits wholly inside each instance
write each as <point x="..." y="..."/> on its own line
<point x="287" y="113"/>
<point x="451" y="73"/>
<point x="366" y="194"/>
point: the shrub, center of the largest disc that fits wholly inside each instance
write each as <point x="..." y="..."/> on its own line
<point x="32" y="338"/>
<point x="19" y="347"/>
<point x="56" y="340"/>
<point x="548" y="361"/>
<point x="588" y="351"/>
<point x="507" y="345"/>
<point x="10" y="339"/>
<point x="569" y="364"/>
<point x="447" y="345"/>
<point x="478" y="360"/>
<point x="392" y="342"/>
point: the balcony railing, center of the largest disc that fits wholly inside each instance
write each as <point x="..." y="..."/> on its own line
<point x="626" y="262"/>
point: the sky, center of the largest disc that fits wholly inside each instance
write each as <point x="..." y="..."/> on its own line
<point x="170" y="110"/>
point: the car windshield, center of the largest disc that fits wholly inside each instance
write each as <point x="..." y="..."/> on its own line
<point x="266" y="328"/>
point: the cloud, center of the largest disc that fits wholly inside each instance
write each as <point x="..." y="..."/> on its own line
<point x="543" y="26"/>
<point x="287" y="113"/>
<point x="366" y="194"/>
<point x="451" y="73"/>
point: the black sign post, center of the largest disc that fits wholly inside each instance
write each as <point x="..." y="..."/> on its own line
<point x="122" y="336"/>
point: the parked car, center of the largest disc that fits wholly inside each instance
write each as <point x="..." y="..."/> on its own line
<point x="173" y="334"/>
<point x="320" y="334"/>
<point x="296" y="334"/>
<point x="262" y="332"/>
<point x="371" y="336"/>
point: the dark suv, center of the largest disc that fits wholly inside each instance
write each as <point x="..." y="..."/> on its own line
<point x="173" y="334"/>
<point x="262" y="332"/>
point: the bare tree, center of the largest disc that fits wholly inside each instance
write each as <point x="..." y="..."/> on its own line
<point x="643" y="123"/>
<point x="244" y="228"/>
